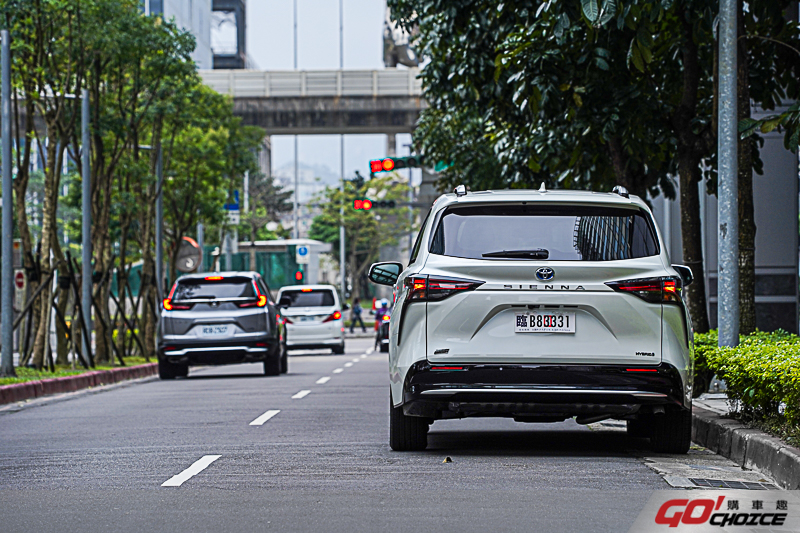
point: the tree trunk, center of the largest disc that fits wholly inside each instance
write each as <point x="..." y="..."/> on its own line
<point x="747" y="224"/>
<point x="51" y="182"/>
<point x="691" y="233"/>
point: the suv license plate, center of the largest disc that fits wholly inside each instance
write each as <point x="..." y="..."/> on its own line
<point x="545" y="322"/>
<point x="214" y="331"/>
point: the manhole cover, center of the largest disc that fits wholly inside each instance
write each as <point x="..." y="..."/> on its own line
<point x="724" y="484"/>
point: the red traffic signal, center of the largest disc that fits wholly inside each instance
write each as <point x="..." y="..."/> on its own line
<point x="381" y="165"/>
<point x="298" y="275"/>
<point x="363" y="203"/>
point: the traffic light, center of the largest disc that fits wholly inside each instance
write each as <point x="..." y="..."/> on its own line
<point x="385" y="204"/>
<point x="298" y="276"/>
<point x="395" y="163"/>
<point x="362" y="203"/>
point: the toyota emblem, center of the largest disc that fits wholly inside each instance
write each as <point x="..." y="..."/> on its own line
<point x="545" y="274"/>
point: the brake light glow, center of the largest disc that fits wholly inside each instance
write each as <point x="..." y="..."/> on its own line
<point x="641" y="370"/>
<point x="213" y="278"/>
<point x="386" y="318"/>
<point x="447" y="368"/>
<point x="653" y="290"/>
<point x="434" y="289"/>
<point x="305" y="290"/>
<point x="336" y="315"/>
<point x="287" y="321"/>
<point x="169" y="306"/>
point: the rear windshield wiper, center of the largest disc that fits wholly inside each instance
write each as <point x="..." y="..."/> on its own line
<point x="538" y="253"/>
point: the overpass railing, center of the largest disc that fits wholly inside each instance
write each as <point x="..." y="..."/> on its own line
<point x="259" y="83"/>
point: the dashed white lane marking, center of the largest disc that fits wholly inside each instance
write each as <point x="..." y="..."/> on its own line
<point x="363" y="356"/>
<point x="301" y="394"/>
<point x="370" y="350"/>
<point x="338" y="371"/>
<point x="356" y="360"/>
<point x="197" y="467"/>
<point x="263" y="418"/>
<point x="323" y="381"/>
<point x="348" y="365"/>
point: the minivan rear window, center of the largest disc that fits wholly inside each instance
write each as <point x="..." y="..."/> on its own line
<point x="309" y="297"/>
<point x="198" y="289"/>
<point x="556" y="233"/>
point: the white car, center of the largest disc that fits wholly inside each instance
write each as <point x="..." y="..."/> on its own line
<point x="313" y="317"/>
<point x="540" y="306"/>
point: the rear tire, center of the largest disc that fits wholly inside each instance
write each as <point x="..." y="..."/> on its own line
<point x="385" y="347"/>
<point x="167" y="370"/>
<point x="672" y="431"/>
<point x="406" y="433"/>
<point x="272" y="366"/>
<point x="284" y="361"/>
<point x="640" y="428"/>
<point x="338" y="350"/>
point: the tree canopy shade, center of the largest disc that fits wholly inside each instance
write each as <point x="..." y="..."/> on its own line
<point x="588" y="94"/>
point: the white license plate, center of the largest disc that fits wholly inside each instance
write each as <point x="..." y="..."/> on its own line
<point x="307" y="319"/>
<point x="545" y="322"/>
<point x="213" y="331"/>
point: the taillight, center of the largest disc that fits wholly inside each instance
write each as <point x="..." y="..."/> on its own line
<point x="287" y="321"/>
<point x="654" y="290"/>
<point x="386" y="318"/>
<point x="336" y="315"/>
<point x="436" y="288"/>
<point x="169" y="306"/>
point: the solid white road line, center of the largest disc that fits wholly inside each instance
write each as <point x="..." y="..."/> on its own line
<point x="323" y="381"/>
<point x="263" y="418"/>
<point x="197" y="467"/>
<point x="301" y="394"/>
<point x="338" y="371"/>
<point x="348" y="365"/>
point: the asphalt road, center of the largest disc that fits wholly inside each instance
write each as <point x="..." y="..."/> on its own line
<point x="322" y="463"/>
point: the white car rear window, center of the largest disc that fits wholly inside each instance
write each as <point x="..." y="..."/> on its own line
<point x="557" y="233"/>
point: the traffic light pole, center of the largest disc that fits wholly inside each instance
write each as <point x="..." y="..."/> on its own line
<point x="342" y="247"/>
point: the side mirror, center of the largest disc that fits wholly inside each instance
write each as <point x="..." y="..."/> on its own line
<point x="385" y="273"/>
<point x="685" y="273"/>
<point x="285" y="301"/>
<point x="346" y="307"/>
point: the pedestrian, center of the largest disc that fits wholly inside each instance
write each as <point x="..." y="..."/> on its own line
<point x="355" y="314"/>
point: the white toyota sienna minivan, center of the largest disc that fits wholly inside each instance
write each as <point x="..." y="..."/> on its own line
<point x="539" y="306"/>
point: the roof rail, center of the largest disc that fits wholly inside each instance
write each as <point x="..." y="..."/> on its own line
<point x="622" y="191"/>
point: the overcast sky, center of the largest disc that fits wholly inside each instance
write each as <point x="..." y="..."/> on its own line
<point x="270" y="46"/>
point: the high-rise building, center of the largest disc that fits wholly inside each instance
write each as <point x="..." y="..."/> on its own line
<point x="194" y="16"/>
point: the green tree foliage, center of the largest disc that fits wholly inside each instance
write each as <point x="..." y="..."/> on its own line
<point x="587" y="94"/>
<point x="365" y="231"/>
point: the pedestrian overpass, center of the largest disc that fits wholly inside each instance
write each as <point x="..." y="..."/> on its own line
<point x="302" y="102"/>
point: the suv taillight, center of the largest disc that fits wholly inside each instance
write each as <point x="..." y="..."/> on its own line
<point x="169" y="306"/>
<point x="261" y="299"/>
<point x="654" y="290"/>
<point x="336" y="315"/>
<point x="437" y="288"/>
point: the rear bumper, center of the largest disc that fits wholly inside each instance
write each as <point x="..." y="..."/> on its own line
<point x="529" y="391"/>
<point x="223" y="353"/>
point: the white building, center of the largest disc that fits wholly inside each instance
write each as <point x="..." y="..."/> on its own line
<point x="192" y="15"/>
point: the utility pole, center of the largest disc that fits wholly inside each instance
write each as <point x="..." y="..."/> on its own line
<point x="728" y="236"/>
<point x="201" y="245"/>
<point x="160" y="225"/>
<point x="7" y="282"/>
<point x="342" y="247"/>
<point x="296" y="231"/>
<point x="86" y="221"/>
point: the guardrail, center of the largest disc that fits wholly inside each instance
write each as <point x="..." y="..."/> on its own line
<point x="272" y="83"/>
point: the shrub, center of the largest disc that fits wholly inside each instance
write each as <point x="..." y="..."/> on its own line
<point x="704" y="345"/>
<point x="762" y="373"/>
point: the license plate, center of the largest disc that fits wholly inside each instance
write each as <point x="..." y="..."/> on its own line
<point x="545" y="322"/>
<point x="214" y="331"/>
<point x="307" y="319"/>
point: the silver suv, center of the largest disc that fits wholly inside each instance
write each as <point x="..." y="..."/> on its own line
<point x="218" y="319"/>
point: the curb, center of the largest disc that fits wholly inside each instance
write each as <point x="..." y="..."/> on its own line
<point x="748" y="447"/>
<point x="18" y="392"/>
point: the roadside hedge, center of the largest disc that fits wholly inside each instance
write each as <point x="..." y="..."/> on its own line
<point x="762" y="374"/>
